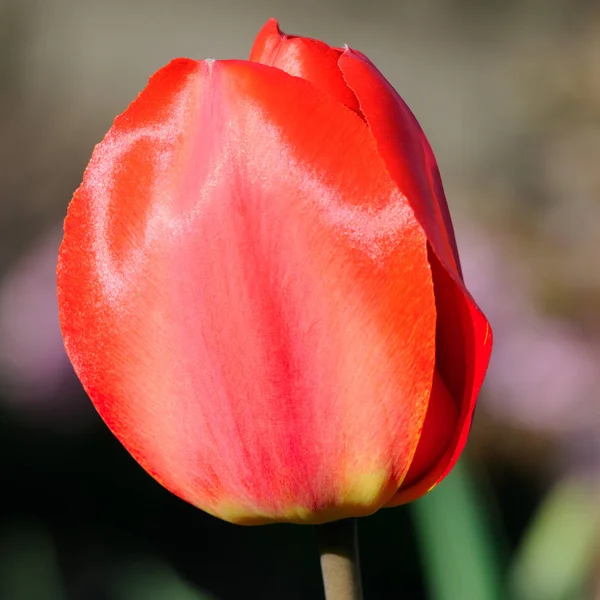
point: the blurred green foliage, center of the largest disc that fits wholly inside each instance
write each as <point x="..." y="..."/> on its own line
<point x="560" y="546"/>
<point x="457" y="542"/>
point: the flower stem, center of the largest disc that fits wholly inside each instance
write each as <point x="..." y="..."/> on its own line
<point x="338" y="544"/>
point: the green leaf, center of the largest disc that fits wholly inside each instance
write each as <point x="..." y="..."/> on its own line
<point x="556" y="557"/>
<point x="459" y="556"/>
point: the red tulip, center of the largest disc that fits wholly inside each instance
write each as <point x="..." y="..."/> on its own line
<point x="260" y="290"/>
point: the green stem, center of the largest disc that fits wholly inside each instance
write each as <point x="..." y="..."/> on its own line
<point x="338" y="545"/>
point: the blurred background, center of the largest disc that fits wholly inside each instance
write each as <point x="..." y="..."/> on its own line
<point x="509" y="96"/>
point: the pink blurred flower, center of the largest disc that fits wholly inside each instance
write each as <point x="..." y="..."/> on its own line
<point x="34" y="368"/>
<point x="543" y="373"/>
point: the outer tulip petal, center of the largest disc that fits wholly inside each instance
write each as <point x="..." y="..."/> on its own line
<point x="464" y="344"/>
<point x="463" y="334"/>
<point x="405" y="151"/>
<point x="309" y="59"/>
<point x="235" y="233"/>
<point x="437" y="434"/>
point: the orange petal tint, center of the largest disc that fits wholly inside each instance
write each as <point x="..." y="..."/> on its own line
<point x="247" y="296"/>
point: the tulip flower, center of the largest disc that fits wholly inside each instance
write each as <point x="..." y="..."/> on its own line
<point x="260" y="289"/>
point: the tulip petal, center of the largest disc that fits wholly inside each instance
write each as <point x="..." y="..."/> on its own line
<point x="438" y="430"/>
<point x="405" y="151"/>
<point x="464" y="344"/>
<point x="463" y="334"/>
<point x="247" y="298"/>
<point x="312" y="60"/>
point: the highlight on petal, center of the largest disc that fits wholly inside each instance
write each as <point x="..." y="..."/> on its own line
<point x="247" y="297"/>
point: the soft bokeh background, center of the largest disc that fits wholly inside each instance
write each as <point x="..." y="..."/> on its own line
<point x="509" y="95"/>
